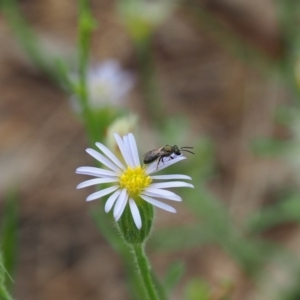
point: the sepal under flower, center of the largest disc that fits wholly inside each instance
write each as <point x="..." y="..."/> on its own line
<point x="127" y="225"/>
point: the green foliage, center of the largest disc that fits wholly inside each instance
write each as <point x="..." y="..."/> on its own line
<point x="28" y="39"/>
<point x="285" y="210"/>
<point x="269" y="147"/>
<point x="197" y="289"/>
<point x="212" y="222"/>
<point x="8" y="243"/>
<point x="4" y="295"/>
<point x="9" y="236"/>
<point x="173" y="275"/>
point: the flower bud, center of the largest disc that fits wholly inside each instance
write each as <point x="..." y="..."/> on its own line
<point x="128" y="229"/>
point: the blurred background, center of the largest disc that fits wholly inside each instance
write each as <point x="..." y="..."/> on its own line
<point x="226" y="78"/>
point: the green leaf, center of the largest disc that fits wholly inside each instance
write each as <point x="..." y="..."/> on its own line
<point x="8" y="239"/>
<point x="173" y="275"/>
<point x="63" y="74"/>
<point x="197" y="289"/>
<point x="286" y="210"/>
<point x="269" y="147"/>
<point x="4" y="295"/>
<point x="215" y="218"/>
<point x="187" y="236"/>
<point x="285" y="115"/>
<point x="27" y="38"/>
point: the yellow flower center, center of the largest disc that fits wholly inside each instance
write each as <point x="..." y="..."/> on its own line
<point x="134" y="180"/>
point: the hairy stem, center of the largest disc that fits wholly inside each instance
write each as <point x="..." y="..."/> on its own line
<point x="144" y="270"/>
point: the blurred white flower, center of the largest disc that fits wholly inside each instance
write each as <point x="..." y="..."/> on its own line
<point x="142" y="17"/>
<point x="108" y="85"/>
<point x="122" y="126"/>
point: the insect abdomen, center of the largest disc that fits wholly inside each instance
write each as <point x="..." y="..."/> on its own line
<point x="149" y="158"/>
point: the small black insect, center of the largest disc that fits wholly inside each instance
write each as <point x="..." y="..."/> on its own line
<point x="163" y="152"/>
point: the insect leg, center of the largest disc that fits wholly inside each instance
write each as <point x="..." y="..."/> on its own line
<point x="171" y="157"/>
<point x="160" y="158"/>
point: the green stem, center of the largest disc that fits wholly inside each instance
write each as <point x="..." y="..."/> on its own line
<point x="85" y="28"/>
<point x="144" y="270"/>
<point x="4" y="294"/>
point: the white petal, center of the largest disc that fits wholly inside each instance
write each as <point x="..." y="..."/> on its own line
<point x="103" y="160"/>
<point x="128" y="149"/>
<point x="159" y="204"/>
<point x="102" y="193"/>
<point x="135" y="213"/>
<point x="134" y="150"/>
<point x="111" y="200"/>
<point x="95" y="172"/>
<point x="96" y="181"/>
<point x="123" y="149"/>
<point x="160" y="193"/>
<point x="120" y="205"/>
<point x="153" y="167"/>
<point x="170" y="184"/>
<point x="171" y="176"/>
<point x="110" y="155"/>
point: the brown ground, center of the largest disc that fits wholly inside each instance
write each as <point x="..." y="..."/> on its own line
<point x="61" y="254"/>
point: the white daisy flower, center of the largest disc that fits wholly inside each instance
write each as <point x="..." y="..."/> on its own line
<point x="131" y="182"/>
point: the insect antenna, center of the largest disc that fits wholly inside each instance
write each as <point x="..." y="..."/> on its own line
<point x="185" y="149"/>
